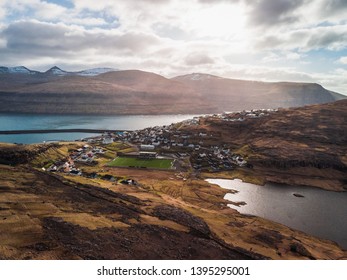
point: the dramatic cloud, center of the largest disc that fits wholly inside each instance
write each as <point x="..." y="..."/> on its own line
<point x="58" y="40"/>
<point x="293" y="40"/>
<point x="328" y="37"/>
<point x="269" y="12"/>
<point x="334" y="7"/>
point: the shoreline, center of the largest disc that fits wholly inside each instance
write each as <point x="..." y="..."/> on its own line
<point x="238" y="202"/>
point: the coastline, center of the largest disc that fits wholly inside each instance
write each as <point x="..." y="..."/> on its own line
<point x="39" y="131"/>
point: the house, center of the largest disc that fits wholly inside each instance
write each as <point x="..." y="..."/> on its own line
<point x="76" y="172"/>
<point x="53" y="168"/>
<point x="98" y="151"/>
<point x="128" y="182"/>
<point x="155" y="143"/>
<point x="108" y="177"/>
<point x="84" y="157"/>
<point x="146" y="147"/>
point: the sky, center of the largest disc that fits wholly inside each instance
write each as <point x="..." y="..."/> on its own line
<point x="266" y="40"/>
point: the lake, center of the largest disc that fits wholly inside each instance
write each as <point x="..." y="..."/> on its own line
<point x="47" y="121"/>
<point x="319" y="213"/>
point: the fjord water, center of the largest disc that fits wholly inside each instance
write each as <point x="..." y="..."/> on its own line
<point x="46" y="121"/>
<point x="319" y="213"/>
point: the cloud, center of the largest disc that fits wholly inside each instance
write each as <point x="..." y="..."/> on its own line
<point x="252" y="39"/>
<point x="334" y="7"/>
<point x="335" y="80"/>
<point x="55" y="39"/>
<point x="2" y="11"/>
<point x="328" y="37"/>
<point x="34" y="8"/>
<point x="283" y="56"/>
<point x="48" y="11"/>
<point x="268" y="74"/>
<point x="198" y="59"/>
<point x="342" y="60"/>
<point x="270" y="12"/>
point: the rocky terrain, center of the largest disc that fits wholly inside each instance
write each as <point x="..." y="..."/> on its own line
<point x="103" y="91"/>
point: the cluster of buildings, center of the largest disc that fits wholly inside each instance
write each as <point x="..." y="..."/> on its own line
<point x="65" y="166"/>
<point x="86" y="155"/>
<point x="198" y="144"/>
<point x="216" y="159"/>
<point x="244" y="115"/>
<point x="188" y="139"/>
<point x="161" y="138"/>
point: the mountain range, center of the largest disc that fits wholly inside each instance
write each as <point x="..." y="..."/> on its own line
<point x="54" y="71"/>
<point x="112" y="91"/>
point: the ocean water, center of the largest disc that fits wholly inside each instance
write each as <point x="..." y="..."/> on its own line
<point x="47" y="121"/>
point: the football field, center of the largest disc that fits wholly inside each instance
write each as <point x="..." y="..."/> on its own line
<point x="141" y="163"/>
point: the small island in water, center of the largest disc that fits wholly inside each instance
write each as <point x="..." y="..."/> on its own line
<point x="143" y="194"/>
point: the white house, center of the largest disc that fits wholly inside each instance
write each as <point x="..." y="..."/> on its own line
<point x="146" y="147"/>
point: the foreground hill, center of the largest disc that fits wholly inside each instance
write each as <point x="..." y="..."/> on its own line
<point x="47" y="215"/>
<point x="103" y="91"/>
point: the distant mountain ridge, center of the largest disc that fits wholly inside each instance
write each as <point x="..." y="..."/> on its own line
<point x="16" y="70"/>
<point x="235" y="94"/>
<point x="55" y="70"/>
<point x="112" y="91"/>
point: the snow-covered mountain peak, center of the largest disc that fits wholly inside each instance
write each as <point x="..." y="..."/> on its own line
<point x="199" y="77"/>
<point x="16" y="70"/>
<point x="56" y="71"/>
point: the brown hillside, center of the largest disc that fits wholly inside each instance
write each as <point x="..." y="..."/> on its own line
<point x="139" y="92"/>
<point x="301" y="146"/>
<point x="231" y="94"/>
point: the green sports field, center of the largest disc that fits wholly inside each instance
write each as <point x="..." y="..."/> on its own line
<point x="141" y="163"/>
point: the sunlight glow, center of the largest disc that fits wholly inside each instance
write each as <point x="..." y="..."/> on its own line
<point x="221" y="21"/>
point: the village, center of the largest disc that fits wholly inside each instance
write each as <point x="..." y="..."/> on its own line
<point x="185" y="146"/>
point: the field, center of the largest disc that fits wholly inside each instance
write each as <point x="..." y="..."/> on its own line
<point x="141" y="163"/>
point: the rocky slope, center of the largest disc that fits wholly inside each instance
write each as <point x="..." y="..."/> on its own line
<point x="103" y="91"/>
